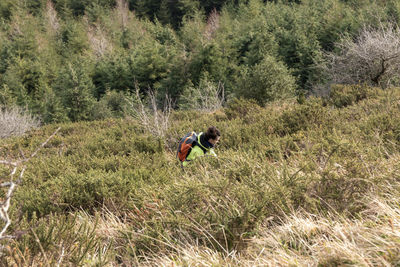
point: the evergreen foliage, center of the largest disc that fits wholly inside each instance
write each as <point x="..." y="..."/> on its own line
<point x="266" y="81"/>
<point x="76" y="89"/>
<point x="265" y="50"/>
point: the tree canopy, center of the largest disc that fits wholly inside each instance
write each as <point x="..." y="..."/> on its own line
<point x="59" y="58"/>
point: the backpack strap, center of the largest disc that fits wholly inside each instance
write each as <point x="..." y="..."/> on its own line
<point x="205" y="150"/>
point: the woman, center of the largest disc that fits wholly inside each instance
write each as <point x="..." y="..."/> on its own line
<point x="204" y="144"/>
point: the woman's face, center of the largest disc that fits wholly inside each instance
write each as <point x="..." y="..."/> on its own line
<point x="214" y="141"/>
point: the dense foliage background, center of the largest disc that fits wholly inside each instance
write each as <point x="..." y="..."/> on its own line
<point x="66" y="59"/>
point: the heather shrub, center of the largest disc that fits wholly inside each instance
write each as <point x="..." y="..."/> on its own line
<point x="223" y="210"/>
<point x="344" y="95"/>
<point x="302" y="117"/>
<point x="240" y="108"/>
<point x="273" y="161"/>
<point x="386" y="126"/>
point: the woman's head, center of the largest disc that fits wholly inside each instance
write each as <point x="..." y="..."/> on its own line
<point x="212" y="135"/>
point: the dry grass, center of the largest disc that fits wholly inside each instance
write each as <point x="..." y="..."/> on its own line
<point x="107" y="225"/>
<point x="304" y="239"/>
<point x="299" y="239"/>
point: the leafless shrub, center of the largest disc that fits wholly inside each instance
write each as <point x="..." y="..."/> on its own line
<point x="123" y="13"/>
<point x="11" y="184"/>
<point x="15" y="121"/>
<point x="372" y="58"/>
<point x="98" y="40"/>
<point x="212" y="25"/>
<point x="207" y="97"/>
<point x="153" y="119"/>
<point x="51" y="14"/>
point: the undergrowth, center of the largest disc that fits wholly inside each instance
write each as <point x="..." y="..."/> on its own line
<point x="108" y="193"/>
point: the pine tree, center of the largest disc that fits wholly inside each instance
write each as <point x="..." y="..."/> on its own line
<point x="76" y="88"/>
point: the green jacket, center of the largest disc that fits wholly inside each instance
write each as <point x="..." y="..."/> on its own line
<point x="198" y="150"/>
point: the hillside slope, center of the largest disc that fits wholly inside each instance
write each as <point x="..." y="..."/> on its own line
<point x="311" y="183"/>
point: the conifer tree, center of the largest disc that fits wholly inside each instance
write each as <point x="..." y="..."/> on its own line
<point x="76" y="88"/>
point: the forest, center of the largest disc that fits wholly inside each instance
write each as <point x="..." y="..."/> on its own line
<point x="70" y="60"/>
<point x="95" y="96"/>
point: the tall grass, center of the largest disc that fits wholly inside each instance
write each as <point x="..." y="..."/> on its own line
<point x="307" y="239"/>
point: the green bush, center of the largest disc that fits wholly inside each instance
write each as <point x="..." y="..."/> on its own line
<point x="113" y="72"/>
<point x="76" y="88"/>
<point x="345" y="95"/>
<point x="112" y="104"/>
<point x="72" y="38"/>
<point x="302" y="117"/>
<point x="241" y="108"/>
<point x="265" y="82"/>
<point x="6" y="8"/>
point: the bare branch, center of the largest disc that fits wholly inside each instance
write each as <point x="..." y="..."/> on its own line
<point x="40" y="246"/>
<point x="212" y="25"/>
<point x="373" y="58"/>
<point x="153" y="119"/>
<point x="61" y="257"/>
<point x="123" y="13"/>
<point x="51" y="14"/>
<point x="207" y="97"/>
<point x="42" y="145"/>
<point x="5" y="205"/>
<point x="98" y="40"/>
<point x="5" y="162"/>
<point x="15" y="121"/>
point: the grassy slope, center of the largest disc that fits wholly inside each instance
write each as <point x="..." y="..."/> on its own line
<point x="290" y="179"/>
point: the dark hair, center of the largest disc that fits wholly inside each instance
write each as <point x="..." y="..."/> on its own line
<point x="212" y="133"/>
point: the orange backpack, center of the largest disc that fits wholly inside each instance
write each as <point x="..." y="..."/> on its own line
<point x="185" y="145"/>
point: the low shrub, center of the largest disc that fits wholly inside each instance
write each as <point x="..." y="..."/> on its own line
<point x="272" y="161"/>
<point x="302" y="117"/>
<point x="345" y="95"/>
<point x="241" y="108"/>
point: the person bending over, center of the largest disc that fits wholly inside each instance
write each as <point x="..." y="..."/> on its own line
<point x="193" y="146"/>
